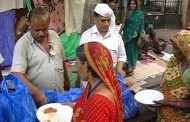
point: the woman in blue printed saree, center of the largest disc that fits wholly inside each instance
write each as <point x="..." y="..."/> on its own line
<point x="133" y="30"/>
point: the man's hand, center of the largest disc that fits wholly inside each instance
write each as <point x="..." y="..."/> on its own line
<point x="40" y="98"/>
<point x="121" y="72"/>
<point x="66" y="77"/>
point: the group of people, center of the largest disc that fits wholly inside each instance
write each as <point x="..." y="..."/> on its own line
<point x="39" y="60"/>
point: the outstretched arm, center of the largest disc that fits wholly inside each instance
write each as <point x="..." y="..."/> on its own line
<point x="119" y="69"/>
<point x="184" y="105"/>
<point x="66" y="77"/>
<point x="123" y="25"/>
<point x="38" y="96"/>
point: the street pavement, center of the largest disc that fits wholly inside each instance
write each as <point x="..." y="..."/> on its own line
<point x="164" y="34"/>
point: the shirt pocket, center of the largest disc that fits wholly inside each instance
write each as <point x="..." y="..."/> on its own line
<point x="33" y="59"/>
<point x="58" y="62"/>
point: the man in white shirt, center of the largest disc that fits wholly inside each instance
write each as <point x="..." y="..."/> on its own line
<point x="101" y="32"/>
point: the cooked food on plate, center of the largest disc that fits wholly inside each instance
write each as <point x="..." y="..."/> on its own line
<point x="50" y="110"/>
<point x="51" y="115"/>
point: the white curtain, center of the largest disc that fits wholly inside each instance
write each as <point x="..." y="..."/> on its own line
<point x="11" y="4"/>
<point x="73" y="15"/>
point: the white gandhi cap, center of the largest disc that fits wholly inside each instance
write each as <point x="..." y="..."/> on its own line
<point x="103" y="10"/>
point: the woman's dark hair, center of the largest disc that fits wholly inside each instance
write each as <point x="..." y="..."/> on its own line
<point x="82" y="57"/>
<point x="136" y="2"/>
<point x="128" y="4"/>
<point x="112" y="1"/>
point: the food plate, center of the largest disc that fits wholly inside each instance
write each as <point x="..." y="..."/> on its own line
<point x="148" y="96"/>
<point x="64" y="113"/>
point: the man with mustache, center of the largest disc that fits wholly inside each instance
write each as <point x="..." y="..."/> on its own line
<point x="39" y="58"/>
<point x="101" y="32"/>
